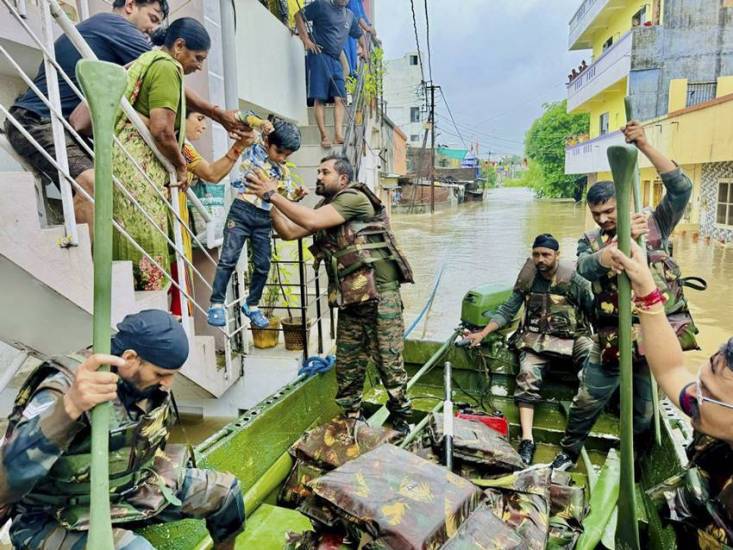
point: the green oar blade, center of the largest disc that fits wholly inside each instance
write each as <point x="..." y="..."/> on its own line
<point x="623" y="159"/>
<point x="103" y="85"/>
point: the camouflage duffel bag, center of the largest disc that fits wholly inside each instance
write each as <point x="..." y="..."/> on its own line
<point x="398" y="500"/>
<point x="324" y="448"/>
<point x="483" y="529"/>
<point x="478" y="444"/>
<point x="340" y="440"/>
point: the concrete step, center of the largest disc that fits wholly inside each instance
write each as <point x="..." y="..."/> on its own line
<point x="48" y="290"/>
<point x="311" y="135"/>
<point x="328" y="115"/>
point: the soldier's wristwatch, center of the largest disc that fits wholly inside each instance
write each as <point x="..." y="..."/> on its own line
<point x="268" y="195"/>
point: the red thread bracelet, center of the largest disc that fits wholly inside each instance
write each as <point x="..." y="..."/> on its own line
<point x="651" y="299"/>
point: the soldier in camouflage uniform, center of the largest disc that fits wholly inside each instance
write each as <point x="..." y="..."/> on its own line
<point x="365" y="270"/>
<point x="46" y="451"/>
<point x="557" y="302"/>
<point x="600" y="376"/>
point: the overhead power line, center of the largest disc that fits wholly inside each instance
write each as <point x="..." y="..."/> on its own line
<point x="417" y="40"/>
<point x="427" y="34"/>
<point x="475" y="131"/>
<point x="442" y="94"/>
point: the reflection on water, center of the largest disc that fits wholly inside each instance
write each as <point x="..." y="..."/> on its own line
<point x="194" y="429"/>
<point x="488" y="242"/>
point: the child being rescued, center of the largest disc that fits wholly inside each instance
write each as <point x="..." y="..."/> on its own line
<point x="249" y="216"/>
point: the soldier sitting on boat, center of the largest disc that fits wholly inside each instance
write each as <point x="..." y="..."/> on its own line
<point x="46" y="452"/>
<point x="700" y="499"/>
<point x="600" y="376"/>
<point x="557" y="302"/>
<point x="365" y="270"/>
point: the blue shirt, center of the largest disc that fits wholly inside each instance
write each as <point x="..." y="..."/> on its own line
<point x="332" y="25"/>
<point x="110" y="36"/>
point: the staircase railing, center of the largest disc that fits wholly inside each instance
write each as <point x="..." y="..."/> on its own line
<point x="51" y="9"/>
<point x="355" y="135"/>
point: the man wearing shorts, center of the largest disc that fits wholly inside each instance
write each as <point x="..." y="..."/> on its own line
<point x="332" y="24"/>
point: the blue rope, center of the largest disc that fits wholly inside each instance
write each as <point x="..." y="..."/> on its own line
<point x="316" y="364"/>
<point x="428" y="304"/>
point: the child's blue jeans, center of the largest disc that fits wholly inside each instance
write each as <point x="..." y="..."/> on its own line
<point x="244" y="221"/>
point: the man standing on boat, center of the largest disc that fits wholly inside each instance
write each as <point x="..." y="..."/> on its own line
<point x="557" y="303"/>
<point x="46" y="452"/>
<point x="365" y="269"/>
<point x="600" y="376"/>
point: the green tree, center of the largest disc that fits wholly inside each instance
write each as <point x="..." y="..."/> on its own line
<point x="488" y="175"/>
<point x="545" y="144"/>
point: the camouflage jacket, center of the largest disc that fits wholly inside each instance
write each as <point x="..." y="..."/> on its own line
<point x="663" y="220"/>
<point x="350" y="251"/>
<point x="45" y="454"/>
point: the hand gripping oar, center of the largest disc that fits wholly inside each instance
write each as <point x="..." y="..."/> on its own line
<point x="103" y="85"/>
<point x="623" y="159"/>
<point x="642" y="243"/>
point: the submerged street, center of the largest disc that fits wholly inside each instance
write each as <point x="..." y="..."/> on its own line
<point x="488" y="242"/>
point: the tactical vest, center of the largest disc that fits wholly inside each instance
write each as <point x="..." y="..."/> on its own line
<point x="142" y="476"/>
<point x="668" y="279"/>
<point x="551" y="320"/>
<point x="701" y="497"/>
<point x="348" y="251"/>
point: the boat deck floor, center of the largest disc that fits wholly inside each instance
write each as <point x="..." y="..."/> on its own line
<point x="268" y="527"/>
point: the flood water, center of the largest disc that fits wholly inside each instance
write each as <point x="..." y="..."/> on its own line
<point x="488" y="242"/>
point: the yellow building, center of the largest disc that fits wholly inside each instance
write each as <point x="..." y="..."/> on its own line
<point x="659" y="54"/>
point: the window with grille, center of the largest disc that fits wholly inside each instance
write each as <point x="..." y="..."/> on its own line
<point x="414" y="114"/>
<point x="413" y="60"/>
<point x="700" y="92"/>
<point x="725" y="202"/>
<point x="603" y="123"/>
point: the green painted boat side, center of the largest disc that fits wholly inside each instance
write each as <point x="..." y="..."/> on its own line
<point x="250" y="445"/>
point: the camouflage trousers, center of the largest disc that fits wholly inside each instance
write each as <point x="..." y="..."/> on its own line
<point x="204" y="494"/>
<point x="532" y="367"/>
<point x="598" y="383"/>
<point x="372" y="331"/>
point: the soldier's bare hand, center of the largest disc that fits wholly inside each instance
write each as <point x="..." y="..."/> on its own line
<point x="475" y="338"/>
<point x="639" y="225"/>
<point x="634" y="133"/>
<point x="91" y="387"/>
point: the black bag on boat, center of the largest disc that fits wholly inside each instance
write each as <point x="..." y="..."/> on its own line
<point x="477" y="444"/>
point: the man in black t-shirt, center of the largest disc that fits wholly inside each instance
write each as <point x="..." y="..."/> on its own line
<point x="119" y="37"/>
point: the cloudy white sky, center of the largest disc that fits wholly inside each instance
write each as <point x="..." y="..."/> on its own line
<point x="498" y="61"/>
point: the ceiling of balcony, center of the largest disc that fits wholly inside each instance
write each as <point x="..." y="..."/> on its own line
<point x="593" y="24"/>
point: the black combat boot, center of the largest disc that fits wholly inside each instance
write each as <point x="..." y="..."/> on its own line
<point x="401" y="423"/>
<point x="526" y="450"/>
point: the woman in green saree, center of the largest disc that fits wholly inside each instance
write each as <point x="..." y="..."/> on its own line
<point x="155" y="90"/>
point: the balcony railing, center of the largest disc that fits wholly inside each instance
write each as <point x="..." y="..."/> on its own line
<point x="609" y="68"/>
<point x="590" y="156"/>
<point x="583" y="17"/>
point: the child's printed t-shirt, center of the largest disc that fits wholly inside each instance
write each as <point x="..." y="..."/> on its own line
<point x="256" y="157"/>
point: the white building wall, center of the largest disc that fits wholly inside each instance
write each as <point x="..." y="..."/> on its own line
<point x="270" y="62"/>
<point x="402" y="91"/>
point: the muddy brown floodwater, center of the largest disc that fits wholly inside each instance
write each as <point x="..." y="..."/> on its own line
<point x="488" y="242"/>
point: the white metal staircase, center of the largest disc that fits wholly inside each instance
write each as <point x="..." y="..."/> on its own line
<point x="47" y="296"/>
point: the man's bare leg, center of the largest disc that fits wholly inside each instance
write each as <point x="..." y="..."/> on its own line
<point x="526" y="420"/>
<point x="321" y="122"/>
<point x="339" y="113"/>
<point x="83" y="209"/>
